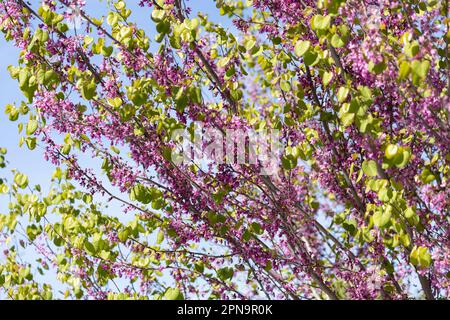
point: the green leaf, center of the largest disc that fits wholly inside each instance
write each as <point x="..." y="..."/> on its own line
<point x="405" y="240"/>
<point x="285" y="85"/>
<point x="88" y="90"/>
<point x="377" y="68"/>
<point x="411" y="49"/>
<point x="112" y="19"/>
<point x="326" y="78"/>
<point x="191" y="24"/>
<point x="391" y="151"/>
<point x="370" y="168"/>
<point x="402" y="158"/>
<point x="160" y="237"/>
<point x="223" y="61"/>
<point x="424" y="257"/>
<point x="256" y="227"/>
<point x="173" y="294"/>
<point x="249" y="44"/>
<point x="140" y="193"/>
<point x="13" y="114"/>
<point x="411" y="216"/>
<point x="158" y="15"/>
<point x="301" y="47"/>
<point x="199" y="266"/>
<point x="404" y="70"/>
<point x="295" y="152"/>
<point x="426" y="176"/>
<point x="419" y="70"/>
<point x="88" y="40"/>
<point x="336" y="41"/>
<point x="320" y="22"/>
<point x="420" y="257"/>
<point x="107" y="51"/>
<point x="339" y="218"/>
<point x="347" y="118"/>
<point x="382" y="217"/>
<point x="225" y="273"/>
<point x="288" y="162"/>
<point x="120" y="5"/>
<point x="115" y="102"/>
<point x="385" y="194"/>
<point x="50" y="76"/>
<point x="230" y="72"/>
<point x="31" y="142"/>
<point x="32" y="126"/>
<point x="89" y="247"/>
<point x="157" y="204"/>
<point x="23" y="77"/>
<point x="126" y="32"/>
<point x="311" y="58"/>
<point x="106" y="255"/>
<point x="351" y="226"/>
<point x="124" y="234"/>
<point x="342" y="94"/>
<point x="21" y="180"/>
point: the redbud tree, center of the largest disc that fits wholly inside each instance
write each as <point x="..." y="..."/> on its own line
<point x="359" y="205"/>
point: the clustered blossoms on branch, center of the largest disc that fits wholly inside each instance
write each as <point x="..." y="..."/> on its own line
<point x="359" y="91"/>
